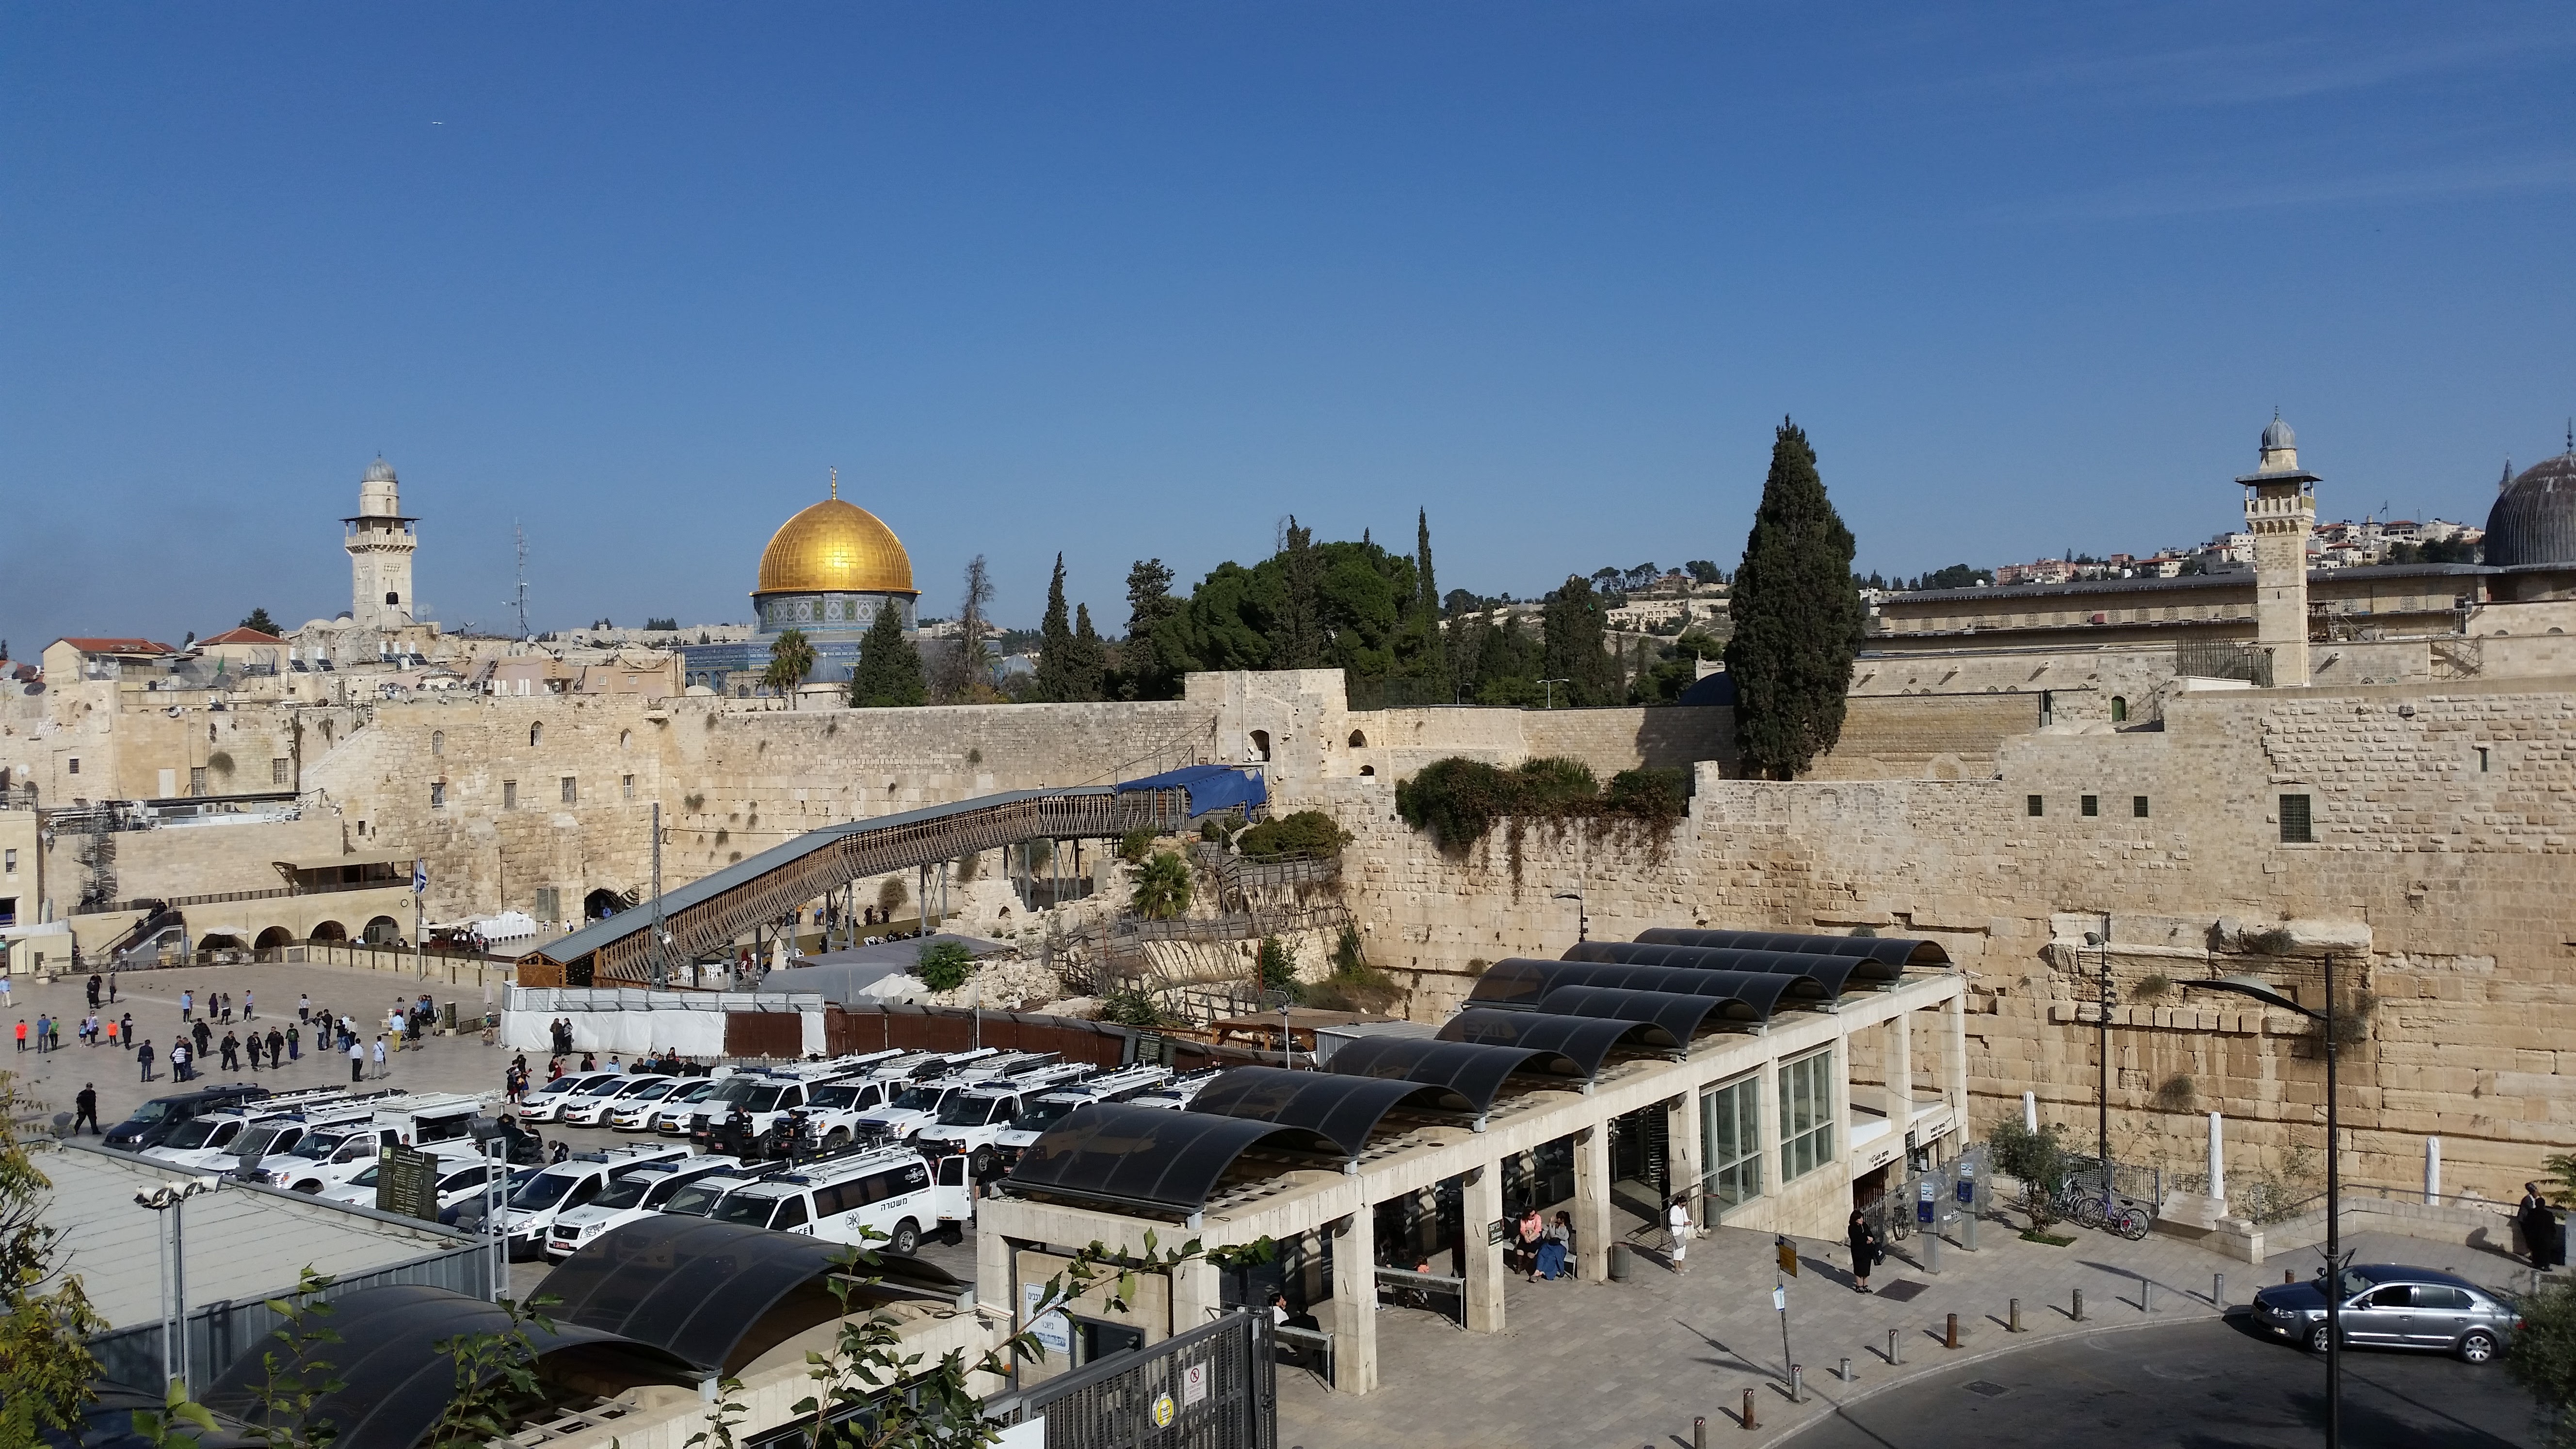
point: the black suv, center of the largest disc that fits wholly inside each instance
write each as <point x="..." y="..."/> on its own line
<point x="154" y="1120"/>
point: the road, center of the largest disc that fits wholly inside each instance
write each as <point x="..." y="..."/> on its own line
<point x="2190" y="1386"/>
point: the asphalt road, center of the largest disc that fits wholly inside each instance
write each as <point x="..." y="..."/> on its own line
<point x="2191" y="1386"/>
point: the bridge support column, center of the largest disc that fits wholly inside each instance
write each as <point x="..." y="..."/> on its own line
<point x="1592" y="1203"/>
<point x="1481" y="1203"/>
<point x="1355" y="1303"/>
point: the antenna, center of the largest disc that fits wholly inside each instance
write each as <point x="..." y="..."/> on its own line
<point x="519" y="536"/>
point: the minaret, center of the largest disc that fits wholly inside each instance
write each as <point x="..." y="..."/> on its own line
<point x="2281" y="512"/>
<point x="380" y="543"/>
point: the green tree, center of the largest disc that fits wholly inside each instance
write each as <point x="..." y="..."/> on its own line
<point x="2543" y="1357"/>
<point x="1798" y="619"/>
<point x="44" y="1324"/>
<point x="1145" y="669"/>
<point x="1296" y="633"/>
<point x="888" y="675"/>
<point x="1506" y="664"/>
<point x="1428" y="651"/>
<point x="791" y="658"/>
<point x="1087" y="668"/>
<point x="1278" y="963"/>
<point x="259" y="620"/>
<point x="1573" y="625"/>
<point x="943" y="965"/>
<point x="1162" y="887"/>
<point x="1055" y="643"/>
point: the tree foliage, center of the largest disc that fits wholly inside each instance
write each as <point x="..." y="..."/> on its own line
<point x="1305" y="833"/>
<point x="1146" y="669"/>
<point x="1456" y="801"/>
<point x="1162" y="887"/>
<point x="1573" y="623"/>
<point x="259" y="620"/>
<point x="1798" y="618"/>
<point x="965" y="673"/>
<point x="2543" y="1357"/>
<point x="1056" y="654"/>
<point x="45" y="1322"/>
<point x="1277" y="961"/>
<point x="791" y="659"/>
<point x="888" y="675"/>
<point x="943" y="965"/>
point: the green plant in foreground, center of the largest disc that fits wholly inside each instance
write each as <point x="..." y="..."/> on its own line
<point x="943" y="965"/>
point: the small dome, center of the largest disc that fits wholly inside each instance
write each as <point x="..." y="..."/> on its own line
<point x="2534" y="518"/>
<point x="2277" y="434"/>
<point x="380" y="471"/>
<point x="835" y="547"/>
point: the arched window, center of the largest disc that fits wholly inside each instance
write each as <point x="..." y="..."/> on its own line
<point x="1358" y="741"/>
<point x="1261" y="744"/>
<point x="2119" y="709"/>
<point x="536" y="732"/>
<point x="438" y="742"/>
<point x="625" y="738"/>
<point x="1368" y="772"/>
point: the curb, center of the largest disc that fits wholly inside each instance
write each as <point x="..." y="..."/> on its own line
<point x="1836" y="1406"/>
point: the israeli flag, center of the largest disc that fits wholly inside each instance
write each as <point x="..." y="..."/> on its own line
<point x="419" y="874"/>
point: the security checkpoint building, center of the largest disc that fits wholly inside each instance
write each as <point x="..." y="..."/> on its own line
<point x="1733" y="1050"/>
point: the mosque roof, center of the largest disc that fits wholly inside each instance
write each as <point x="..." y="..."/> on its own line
<point x="2534" y="518"/>
<point x="835" y="547"/>
<point x="380" y="471"/>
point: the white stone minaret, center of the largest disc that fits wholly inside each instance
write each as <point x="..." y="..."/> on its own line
<point x="380" y="543"/>
<point x="2281" y="513"/>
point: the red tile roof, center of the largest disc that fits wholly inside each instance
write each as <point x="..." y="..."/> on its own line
<point x="243" y="636"/>
<point x="117" y="646"/>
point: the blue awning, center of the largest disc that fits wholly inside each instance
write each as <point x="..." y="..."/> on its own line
<point x="1212" y="787"/>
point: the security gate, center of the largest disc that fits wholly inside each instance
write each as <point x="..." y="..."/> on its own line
<point x="1209" y="1388"/>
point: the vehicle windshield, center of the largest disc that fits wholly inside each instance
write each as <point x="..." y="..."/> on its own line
<point x="152" y="1111"/>
<point x="697" y="1092"/>
<point x="543" y="1191"/>
<point x="839" y="1096"/>
<point x="1042" y="1116"/>
<point x="559" y="1084"/>
<point x="697" y="1199"/>
<point x="366" y="1178"/>
<point x="919" y="1099"/>
<point x="605" y="1087"/>
<point x="748" y="1209"/>
<point x="191" y="1133"/>
<point x="257" y="1141"/>
<point x="625" y="1192"/>
<point x="750" y="1094"/>
<point x="318" y="1145"/>
<point x="965" y="1111"/>
<point x="654" y="1091"/>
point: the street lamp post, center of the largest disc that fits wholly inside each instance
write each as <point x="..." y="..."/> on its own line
<point x="1582" y="922"/>
<point x="2102" y="1035"/>
<point x="1551" y="689"/>
<point x="2248" y="986"/>
<point x="172" y="1198"/>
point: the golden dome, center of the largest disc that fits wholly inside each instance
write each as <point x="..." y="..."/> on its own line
<point x="834" y="547"/>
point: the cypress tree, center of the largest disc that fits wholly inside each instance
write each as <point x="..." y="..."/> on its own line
<point x="1144" y="668"/>
<point x="1575" y="649"/>
<point x="1297" y="634"/>
<point x="1055" y="644"/>
<point x="1798" y="620"/>
<point x="1089" y="669"/>
<point x="1434" y="645"/>
<point x="889" y="672"/>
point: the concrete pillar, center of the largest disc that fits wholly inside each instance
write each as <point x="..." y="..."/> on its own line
<point x="1481" y="1206"/>
<point x="1355" y="1303"/>
<point x="995" y="1265"/>
<point x="1766" y="1119"/>
<point x="2432" y="1171"/>
<point x="1682" y="1141"/>
<point x="1196" y="1294"/>
<point x="1592" y="1203"/>
<point x="1954" y="1058"/>
<point x="2217" y="1160"/>
<point x="2030" y="1111"/>
<point x="1897" y="1058"/>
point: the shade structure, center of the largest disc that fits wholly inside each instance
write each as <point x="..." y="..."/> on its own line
<point x="1677" y="1019"/>
<point x="715" y="1294"/>
<point x="1587" y="1041"/>
<point x="1149" y="1156"/>
<point x="1834" y="973"/>
<point x="395" y="1383"/>
<point x="1895" y="950"/>
<point x="1343" y="1108"/>
<point x="1474" y="1071"/>
<point x="1525" y="981"/>
<point x="1211" y="787"/>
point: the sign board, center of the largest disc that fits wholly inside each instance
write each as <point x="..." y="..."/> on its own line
<point x="1164" y="1411"/>
<point x="1926" y="1196"/>
<point x="1788" y="1257"/>
<point x="1054" y="1331"/>
<point x="1498" y="1231"/>
<point x="1194" y="1384"/>
<point x="1780" y="1300"/>
<point x="406" y="1182"/>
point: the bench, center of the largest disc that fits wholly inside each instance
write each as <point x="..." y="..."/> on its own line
<point x="1418" y="1287"/>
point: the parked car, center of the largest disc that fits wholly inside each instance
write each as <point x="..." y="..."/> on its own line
<point x="2392" y="1306"/>
<point x="640" y="1192"/>
<point x="590" y="1106"/>
<point x="670" y="1116"/>
<point x="547" y="1102"/>
<point x="461" y="1176"/>
<point x="890" y="1192"/>
<point x="154" y="1121"/>
<point x="635" y="1111"/>
<point x="534" y="1204"/>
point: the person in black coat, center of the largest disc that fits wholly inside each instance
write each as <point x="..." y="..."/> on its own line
<point x="1865" y="1251"/>
<point x="2539" y="1227"/>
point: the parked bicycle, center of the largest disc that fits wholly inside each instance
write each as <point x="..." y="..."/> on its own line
<point x="2086" y="1208"/>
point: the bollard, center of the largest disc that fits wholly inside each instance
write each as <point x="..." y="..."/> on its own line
<point x="2079" y="1305"/>
<point x="1950" y="1335"/>
<point x="2144" y="1289"/>
<point x="1699" y="1432"/>
<point x="1932" y="1246"/>
<point x="2012" y="1321"/>
<point x="1892" y="1359"/>
<point x="1968" y="1233"/>
<point x="1797" y="1383"/>
<point x="1846" y="1371"/>
<point x="2218" y="1291"/>
<point x="2288" y="1277"/>
<point x="1749" y="1421"/>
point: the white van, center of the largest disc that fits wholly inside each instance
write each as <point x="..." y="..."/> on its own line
<point x="335" y="1146"/>
<point x="1036" y="1116"/>
<point x="918" y="1107"/>
<point x="638" y="1192"/>
<point x="975" y="1121"/>
<point x="891" y="1191"/>
<point x="534" y="1204"/>
<point x="461" y="1176"/>
<point x="546" y="1102"/>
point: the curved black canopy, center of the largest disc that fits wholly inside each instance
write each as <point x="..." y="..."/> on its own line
<point x="1525" y="981"/>
<point x="1472" y="1070"/>
<point x="1586" y="1040"/>
<point x="1344" y="1108"/>
<point x="715" y="1294"/>
<point x="1894" y="950"/>
<point x="1677" y="1019"/>
<point x="394" y="1382"/>
<point x="1149" y="1155"/>
<point x="1831" y="972"/>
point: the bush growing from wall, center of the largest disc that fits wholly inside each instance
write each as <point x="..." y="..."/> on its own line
<point x="943" y="965"/>
<point x="1305" y="833"/>
<point x="1458" y="801"/>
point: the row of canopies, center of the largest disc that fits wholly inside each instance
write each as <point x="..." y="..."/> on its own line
<point x="1529" y="1023"/>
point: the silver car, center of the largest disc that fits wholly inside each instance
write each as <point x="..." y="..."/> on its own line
<point x="2388" y="1305"/>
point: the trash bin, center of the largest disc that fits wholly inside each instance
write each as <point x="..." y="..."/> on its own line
<point x="447" y="1014"/>
<point x="1619" y="1262"/>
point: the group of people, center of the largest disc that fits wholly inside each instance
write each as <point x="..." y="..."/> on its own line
<point x="219" y="1004"/>
<point x="1540" y="1248"/>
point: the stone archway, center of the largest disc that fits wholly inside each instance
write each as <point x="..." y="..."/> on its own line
<point x="329" y="933"/>
<point x="275" y="938"/>
<point x="383" y="931"/>
<point x="600" y="904"/>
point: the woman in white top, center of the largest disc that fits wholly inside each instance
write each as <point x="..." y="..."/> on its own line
<point x="1677" y="1221"/>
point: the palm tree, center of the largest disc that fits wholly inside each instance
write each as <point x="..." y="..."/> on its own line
<point x="791" y="658"/>
<point x="1162" y="887"/>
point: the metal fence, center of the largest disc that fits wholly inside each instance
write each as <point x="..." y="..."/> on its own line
<point x="2219" y="659"/>
<point x="1210" y="1388"/>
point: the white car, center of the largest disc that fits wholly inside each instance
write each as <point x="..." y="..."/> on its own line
<point x="460" y="1179"/>
<point x="535" y="1203"/>
<point x="1047" y="1109"/>
<point x="590" y="1106"/>
<point x="325" y="1157"/>
<point x="638" y="1192"/>
<point x="890" y="1193"/>
<point x="670" y="1116"/>
<point x="970" y="1124"/>
<point x="200" y="1140"/>
<point x="918" y="1107"/>
<point x="543" y="1104"/>
<point x="635" y="1111"/>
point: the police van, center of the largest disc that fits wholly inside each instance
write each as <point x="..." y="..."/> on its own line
<point x="330" y="1142"/>
<point x="834" y="1110"/>
<point x="918" y="1107"/>
<point x="890" y="1191"/>
<point x="638" y="1192"/>
<point x="1005" y="1143"/>
<point x="748" y="1111"/>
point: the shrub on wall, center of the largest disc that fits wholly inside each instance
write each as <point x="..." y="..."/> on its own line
<point x="1458" y="801"/>
<point x="1305" y="833"/>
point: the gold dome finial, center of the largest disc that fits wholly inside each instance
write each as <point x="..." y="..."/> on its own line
<point x="836" y="482"/>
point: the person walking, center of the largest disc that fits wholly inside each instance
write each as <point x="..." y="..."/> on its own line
<point x="276" y="1049"/>
<point x="1865" y="1250"/>
<point x="250" y="1006"/>
<point x="44" y="1027"/>
<point x="93" y="991"/>
<point x="294" y="1045"/>
<point x="380" y="1054"/>
<point x="22" y="1033"/>
<point x="143" y="1057"/>
<point x="113" y="1041"/>
<point x="85" y="1106"/>
<point x="357" y="1062"/>
<point x="2539" y="1227"/>
<point x="187" y="1004"/>
<point x="254" y="1045"/>
<point x="304" y="1008"/>
<point x="1677" y="1224"/>
<point x="204" y="1034"/>
<point x="179" y="1060"/>
<point x="111" y="986"/>
<point x="125" y="1027"/>
<point x="230" y="1053"/>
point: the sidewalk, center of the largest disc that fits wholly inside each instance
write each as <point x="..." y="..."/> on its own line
<point x="1594" y="1366"/>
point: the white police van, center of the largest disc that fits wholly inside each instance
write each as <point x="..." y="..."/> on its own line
<point x="534" y="1204"/>
<point x="638" y="1192"/>
<point x="890" y="1191"/>
<point x="1004" y="1143"/>
<point x="918" y="1107"/>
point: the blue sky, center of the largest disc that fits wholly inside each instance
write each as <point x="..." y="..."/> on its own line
<point x="1128" y="280"/>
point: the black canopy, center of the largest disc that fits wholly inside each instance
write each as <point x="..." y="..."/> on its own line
<point x="1587" y="1041"/>
<point x="716" y="1294"/>
<point x="1344" y="1108"/>
<point x="1150" y="1156"/>
<point x="1894" y="950"/>
<point x="1475" y="1072"/>
<point x="1676" y="1018"/>
<point x="394" y="1382"/>
<point x="1525" y="981"/>
<point x="1830" y="972"/>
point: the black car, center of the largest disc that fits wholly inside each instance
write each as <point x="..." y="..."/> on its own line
<point x="2392" y="1306"/>
<point x="156" y="1119"/>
